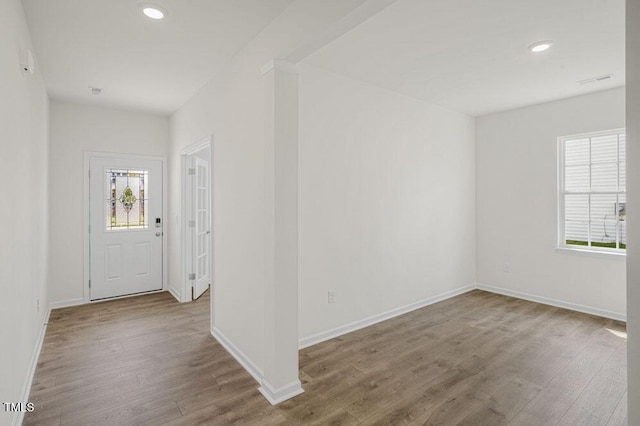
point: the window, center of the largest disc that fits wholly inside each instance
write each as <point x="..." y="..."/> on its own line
<point x="592" y="201"/>
<point x="126" y="199"/>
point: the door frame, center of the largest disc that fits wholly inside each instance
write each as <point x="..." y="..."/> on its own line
<point x="185" y="153"/>
<point x="87" y="218"/>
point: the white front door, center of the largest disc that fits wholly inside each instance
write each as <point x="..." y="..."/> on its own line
<point x="126" y="226"/>
<point x="202" y="233"/>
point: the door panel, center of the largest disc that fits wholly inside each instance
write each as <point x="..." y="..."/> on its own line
<point x="113" y="262"/>
<point x="202" y="232"/>
<point x="126" y="226"/>
<point x="142" y="255"/>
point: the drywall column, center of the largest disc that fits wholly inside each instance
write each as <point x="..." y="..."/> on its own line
<point x="633" y="198"/>
<point x="280" y="379"/>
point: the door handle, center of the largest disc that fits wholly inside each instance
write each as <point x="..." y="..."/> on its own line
<point x="158" y="234"/>
<point x="208" y="232"/>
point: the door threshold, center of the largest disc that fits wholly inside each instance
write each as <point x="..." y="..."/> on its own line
<point x="125" y="296"/>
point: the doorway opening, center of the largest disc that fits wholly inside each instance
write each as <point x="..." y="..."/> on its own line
<point x="197" y="237"/>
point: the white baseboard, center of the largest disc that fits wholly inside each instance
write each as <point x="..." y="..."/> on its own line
<point x="281" y="394"/>
<point x="273" y="395"/>
<point x="244" y="360"/>
<point x="553" y="302"/>
<point x="366" y="322"/>
<point x="66" y="303"/>
<point x="175" y="294"/>
<point x="18" y="417"/>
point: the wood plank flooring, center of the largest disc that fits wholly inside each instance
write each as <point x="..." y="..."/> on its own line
<point x="476" y="359"/>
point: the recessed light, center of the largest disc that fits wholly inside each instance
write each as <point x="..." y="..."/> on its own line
<point x="154" y="12"/>
<point x="540" y="46"/>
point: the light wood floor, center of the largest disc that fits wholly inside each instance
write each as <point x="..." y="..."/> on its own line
<point x="476" y="359"/>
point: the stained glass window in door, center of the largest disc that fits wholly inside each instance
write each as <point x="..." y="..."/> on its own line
<point x="126" y="192"/>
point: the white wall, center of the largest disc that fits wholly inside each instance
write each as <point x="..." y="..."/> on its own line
<point x="517" y="204"/>
<point x="75" y="129"/>
<point x="387" y="210"/>
<point x="24" y="213"/>
<point x="232" y="108"/>
<point x="238" y="197"/>
<point x="633" y="194"/>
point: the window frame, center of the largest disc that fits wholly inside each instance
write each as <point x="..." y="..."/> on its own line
<point x="561" y="193"/>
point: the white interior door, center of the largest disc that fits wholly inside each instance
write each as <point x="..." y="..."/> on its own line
<point x="202" y="233"/>
<point x="126" y="226"/>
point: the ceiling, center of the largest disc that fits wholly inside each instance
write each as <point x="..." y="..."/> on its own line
<point x="472" y="56"/>
<point x="139" y="63"/>
<point x="466" y="55"/>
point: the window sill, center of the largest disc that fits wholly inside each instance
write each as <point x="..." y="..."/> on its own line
<point x="592" y="253"/>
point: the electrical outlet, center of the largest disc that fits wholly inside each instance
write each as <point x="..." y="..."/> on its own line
<point x="331" y="296"/>
<point x="506" y="267"/>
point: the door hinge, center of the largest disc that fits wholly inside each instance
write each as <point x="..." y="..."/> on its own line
<point x="89" y="173"/>
<point x="192" y="276"/>
<point x="192" y="224"/>
<point x="192" y="172"/>
<point x="89" y="283"/>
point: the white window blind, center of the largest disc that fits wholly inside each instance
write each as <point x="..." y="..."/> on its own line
<point x="593" y="191"/>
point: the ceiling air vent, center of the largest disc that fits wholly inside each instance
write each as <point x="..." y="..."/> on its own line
<point x="94" y="91"/>
<point x="596" y="79"/>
